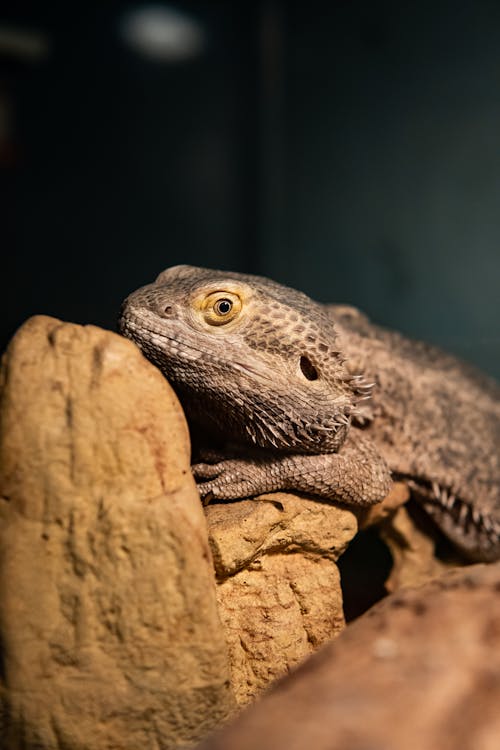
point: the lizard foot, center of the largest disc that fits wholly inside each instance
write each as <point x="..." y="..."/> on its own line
<point x="234" y="478"/>
<point x="356" y="475"/>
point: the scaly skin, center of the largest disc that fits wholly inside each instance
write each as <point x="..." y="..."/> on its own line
<point x="288" y="382"/>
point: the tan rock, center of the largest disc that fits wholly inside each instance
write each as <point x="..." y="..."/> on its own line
<point x="412" y="544"/>
<point x="108" y="619"/>
<point x="243" y="531"/>
<point x="413" y="552"/>
<point x="374" y="514"/>
<point x="277" y="614"/>
<point x="420" y="670"/>
<point x="279" y="589"/>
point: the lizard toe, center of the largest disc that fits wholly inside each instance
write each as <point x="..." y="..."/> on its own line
<point x="204" y="472"/>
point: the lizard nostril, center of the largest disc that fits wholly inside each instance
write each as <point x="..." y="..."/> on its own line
<point x="308" y="369"/>
<point x="168" y="310"/>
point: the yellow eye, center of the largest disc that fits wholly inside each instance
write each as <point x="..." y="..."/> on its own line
<point x="220" y="308"/>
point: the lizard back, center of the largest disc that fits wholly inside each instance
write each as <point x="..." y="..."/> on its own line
<point x="435" y="420"/>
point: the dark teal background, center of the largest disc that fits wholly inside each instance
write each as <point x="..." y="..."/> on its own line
<point x="351" y="149"/>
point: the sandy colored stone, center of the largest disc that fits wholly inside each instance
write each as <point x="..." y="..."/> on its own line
<point x="420" y="670"/>
<point x="412" y="550"/>
<point x="108" y="617"/>
<point x="412" y="545"/>
<point x="374" y="514"/>
<point x="279" y="588"/>
<point x="243" y="531"/>
<point x="277" y="614"/>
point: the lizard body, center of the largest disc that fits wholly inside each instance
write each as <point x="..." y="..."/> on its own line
<point x="317" y="399"/>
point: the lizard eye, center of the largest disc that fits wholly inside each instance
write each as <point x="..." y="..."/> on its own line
<point x="223" y="307"/>
<point x="220" y="308"/>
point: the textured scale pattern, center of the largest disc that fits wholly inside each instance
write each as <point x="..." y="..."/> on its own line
<point x="317" y="399"/>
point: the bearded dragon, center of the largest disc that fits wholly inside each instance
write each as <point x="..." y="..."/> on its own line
<point x="317" y="399"/>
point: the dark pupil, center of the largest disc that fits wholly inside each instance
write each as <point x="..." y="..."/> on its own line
<point x="224" y="306"/>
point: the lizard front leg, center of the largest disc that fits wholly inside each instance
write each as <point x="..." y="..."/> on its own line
<point x="356" y="475"/>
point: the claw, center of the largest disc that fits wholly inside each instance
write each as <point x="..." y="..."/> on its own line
<point x="206" y="499"/>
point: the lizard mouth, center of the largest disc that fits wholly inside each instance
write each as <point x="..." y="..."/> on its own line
<point x="156" y="344"/>
<point x="262" y="373"/>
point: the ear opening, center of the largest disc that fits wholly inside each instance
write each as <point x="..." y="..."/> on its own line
<point x="308" y="369"/>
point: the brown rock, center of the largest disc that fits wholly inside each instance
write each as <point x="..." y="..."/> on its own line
<point x="243" y="531"/>
<point x="413" y="552"/>
<point x="410" y="540"/>
<point x="374" y="514"/>
<point x="108" y="619"/>
<point x="277" y="614"/>
<point x="279" y="589"/>
<point x="419" y="670"/>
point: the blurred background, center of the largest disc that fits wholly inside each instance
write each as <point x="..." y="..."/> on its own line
<point x="350" y="149"/>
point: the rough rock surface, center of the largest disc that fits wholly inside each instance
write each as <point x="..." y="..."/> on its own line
<point x="413" y="552"/>
<point x="108" y="617"/>
<point x="420" y="670"/>
<point x="411" y="541"/>
<point x="279" y="589"/>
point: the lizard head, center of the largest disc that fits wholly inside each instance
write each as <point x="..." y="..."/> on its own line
<point x="250" y="359"/>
